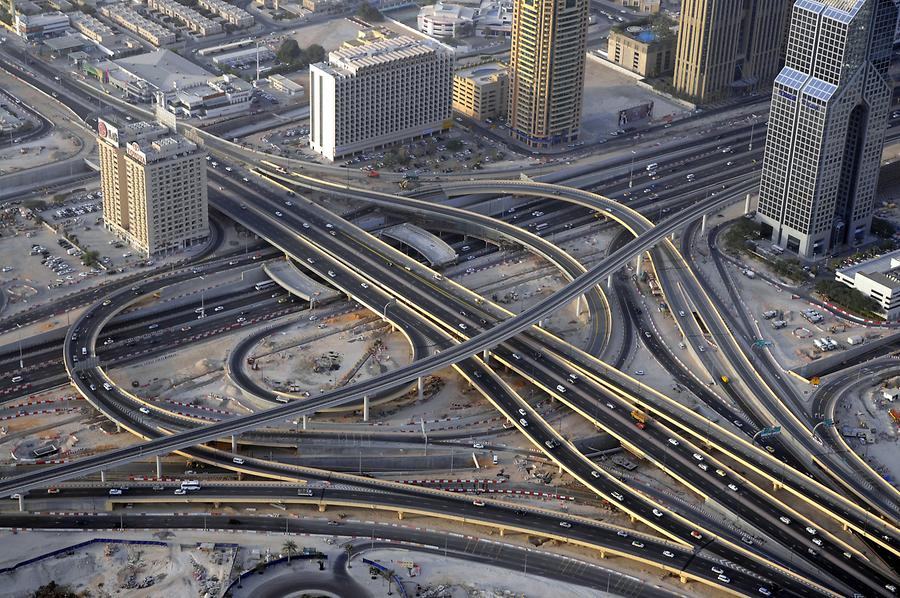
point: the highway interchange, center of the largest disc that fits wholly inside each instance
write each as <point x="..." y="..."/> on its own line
<point x="447" y="324"/>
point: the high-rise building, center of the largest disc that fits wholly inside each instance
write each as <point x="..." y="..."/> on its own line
<point x="827" y="122"/>
<point x="154" y="186"/>
<point x="546" y="71"/>
<point x="377" y="93"/>
<point x="728" y="47"/>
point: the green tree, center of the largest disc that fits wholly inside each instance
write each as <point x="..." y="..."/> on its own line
<point x="90" y="258"/>
<point x="454" y="145"/>
<point x="289" y="51"/>
<point x="367" y="12"/>
<point x="315" y="53"/>
<point x="289" y="548"/>
<point x="51" y="590"/>
<point x="883" y="228"/>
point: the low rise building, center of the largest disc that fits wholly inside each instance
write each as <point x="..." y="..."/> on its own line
<point x="646" y="6"/>
<point x="379" y="93"/>
<point x="48" y="24"/>
<point x="93" y="29"/>
<point x="67" y="44"/>
<point x="131" y="20"/>
<point x="284" y="85"/>
<point x="649" y="52"/>
<point x="879" y="279"/>
<point x="192" y="19"/>
<point x="494" y="19"/>
<point x="244" y="56"/>
<point x="229" y="12"/>
<point x="446" y="20"/>
<point x="480" y="92"/>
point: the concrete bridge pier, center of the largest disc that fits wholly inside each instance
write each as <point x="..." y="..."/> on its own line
<point x="21" y="502"/>
<point x="486" y="356"/>
<point x="233" y="443"/>
<point x="420" y="387"/>
<point x="102" y="476"/>
<point x="703" y="224"/>
<point x="365" y="408"/>
<point x="304" y="423"/>
<point x="609" y="282"/>
<point x="158" y="467"/>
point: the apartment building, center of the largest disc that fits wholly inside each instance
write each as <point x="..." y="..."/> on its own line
<point x="154" y="186"/>
<point x="481" y="92"/>
<point x="379" y="92"/>
<point x="192" y="19"/>
<point x="644" y="52"/>
<point x="131" y="20"/>
<point x="229" y="12"/>
<point x="546" y="71"/>
<point x="93" y="29"/>
<point x="49" y="24"/>
<point x="728" y="47"/>
<point x="827" y="121"/>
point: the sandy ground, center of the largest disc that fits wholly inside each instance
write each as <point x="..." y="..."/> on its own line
<point x="866" y="408"/>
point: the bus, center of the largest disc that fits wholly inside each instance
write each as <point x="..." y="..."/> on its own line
<point x="262" y="286"/>
<point x="190" y="485"/>
<point x="45" y="451"/>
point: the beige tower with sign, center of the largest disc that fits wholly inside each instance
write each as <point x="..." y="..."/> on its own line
<point x="154" y="187"/>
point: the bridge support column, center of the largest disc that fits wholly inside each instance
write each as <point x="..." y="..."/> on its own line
<point x="486" y="356"/>
<point x="747" y="204"/>
<point x="102" y="476"/>
<point x="502" y="532"/>
<point x="118" y="428"/>
<point x="21" y="502"/>
<point x="609" y="282"/>
<point x="365" y="408"/>
<point x="400" y="515"/>
<point x="541" y="323"/>
<point x="321" y="507"/>
<point x="420" y="387"/>
<point x="777" y="486"/>
<point x="158" y="467"/>
<point x="683" y="578"/>
<point x="703" y="224"/>
<point x="639" y="264"/>
<point x="602" y="554"/>
<point x="304" y="422"/>
<point x="233" y="443"/>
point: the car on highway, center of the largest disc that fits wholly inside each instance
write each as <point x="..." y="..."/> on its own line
<point x="717" y="570"/>
<point x="622" y="534"/>
<point x="478" y="503"/>
<point x="279" y="214"/>
<point x="811" y="531"/>
<point x="720" y="473"/>
<point x="237" y="461"/>
<point x="158" y="487"/>
<point x="524" y="422"/>
<point x="288" y="203"/>
<point x="364" y="285"/>
<point x="185" y="328"/>
<point x="669" y="553"/>
<point x="657" y="513"/>
<point x="561" y="388"/>
<point x="552" y="443"/>
<point x="144" y="410"/>
<point x="784" y="520"/>
<point x="733" y="487"/>
<point x="152" y="326"/>
<point x="219" y="308"/>
<point x="522" y="412"/>
<point x="304" y="492"/>
<point x="703" y="466"/>
<point x="611" y="406"/>
<point x="817" y="541"/>
<point x="595" y="473"/>
<point x="462" y="326"/>
<point x="565" y="524"/>
<point x="639" y="372"/>
<point x="107" y="386"/>
<point x="747" y="540"/>
<point x="765" y="591"/>
<point x="52" y="490"/>
<point x="331" y="273"/>
<point x="477" y="445"/>
<point x="180" y="491"/>
<point x="617" y="496"/>
<point x="724" y="579"/>
<point x="697" y="456"/>
<point x="516" y="356"/>
<point x="241" y="320"/>
<point x="681" y="313"/>
<point x="115" y="491"/>
<point x="637" y="544"/>
<point x="306" y="225"/>
<point x="673" y="442"/>
<point x="696" y="535"/>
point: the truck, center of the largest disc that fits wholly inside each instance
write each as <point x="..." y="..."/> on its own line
<point x="640" y="418"/>
<point x="855" y="340"/>
<point x="749" y="273"/>
<point x="768" y="315"/>
<point x="778" y="324"/>
<point x="895" y="415"/>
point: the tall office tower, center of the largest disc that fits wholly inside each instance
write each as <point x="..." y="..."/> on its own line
<point x="546" y="71"/>
<point x="826" y="125"/>
<point x="379" y="92"/>
<point x="154" y="186"/>
<point x="728" y="47"/>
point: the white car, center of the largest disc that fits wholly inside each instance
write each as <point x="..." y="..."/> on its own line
<point x="637" y="544"/>
<point x="673" y="442"/>
<point x="732" y="487"/>
<point x="657" y="513"/>
<point x="617" y="496"/>
<point x="279" y="214"/>
<point x="144" y="410"/>
<point x="478" y="445"/>
<point x="180" y="491"/>
<point x="595" y="473"/>
<point x="565" y="524"/>
<point x="331" y="273"/>
<point x="115" y="492"/>
<point x="669" y="553"/>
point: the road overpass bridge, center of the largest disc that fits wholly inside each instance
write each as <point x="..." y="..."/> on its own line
<point x="289" y="277"/>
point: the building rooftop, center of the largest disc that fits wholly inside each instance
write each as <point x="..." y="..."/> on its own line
<point x="66" y="42"/>
<point x="379" y="52"/>
<point x="165" y="70"/>
<point x="884" y="269"/>
<point x="482" y="73"/>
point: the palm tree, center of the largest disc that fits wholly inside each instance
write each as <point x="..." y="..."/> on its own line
<point x="290" y="548"/>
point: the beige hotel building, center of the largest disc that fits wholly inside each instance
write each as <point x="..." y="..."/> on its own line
<point x="154" y="187"/>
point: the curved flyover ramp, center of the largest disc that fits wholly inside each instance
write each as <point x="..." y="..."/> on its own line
<point x="289" y="277"/>
<point x="435" y="249"/>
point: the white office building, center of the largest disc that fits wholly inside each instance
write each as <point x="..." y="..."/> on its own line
<point x="828" y="117"/>
<point x="877" y="278"/>
<point x="377" y="94"/>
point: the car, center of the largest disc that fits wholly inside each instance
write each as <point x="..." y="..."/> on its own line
<point x="115" y="491"/>
<point x="477" y="445"/>
<point x="288" y="203"/>
<point x="673" y="442"/>
<point x="720" y="473"/>
<point x="552" y="443"/>
<point x="733" y="487"/>
<point x="647" y="334"/>
<point x="52" y="490"/>
<point x="524" y="422"/>
<point x="279" y="214"/>
<point x="701" y="349"/>
<point x="770" y="448"/>
<point x="364" y="285"/>
<point x="747" y="540"/>
<point x="611" y="406"/>
<point x="144" y="410"/>
<point x="478" y="503"/>
<point x="639" y="372"/>
<point x="219" y="308"/>
<point x="595" y="473"/>
<point x="237" y="461"/>
<point x="738" y="423"/>
<point x="765" y="591"/>
<point x="811" y="531"/>
<point x="696" y="535"/>
<point x="657" y="513"/>
<point x="565" y="524"/>
<point x="617" y="496"/>
<point x="331" y="273"/>
<point x="462" y="326"/>
<point x="329" y="225"/>
<point x="697" y="456"/>
<point x="703" y="466"/>
<point x="241" y="320"/>
<point x="717" y="570"/>
<point x="637" y="544"/>
<point x="180" y="491"/>
<point x="185" y="328"/>
<point x="681" y="313"/>
<point x="622" y="534"/>
<point x="152" y="326"/>
<point x="561" y="388"/>
<point x="847" y="555"/>
<point x="890" y="587"/>
<point x="724" y="579"/>
<point x="784" y="520"/>
<point x="516" y="356"/>
<point x="313" y="318"/>
<point x="522" y="412"/>
<point x="812" y="552"/>
<point x="669" y="554"/>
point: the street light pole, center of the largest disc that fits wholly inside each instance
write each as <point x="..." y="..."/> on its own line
<point x="19" y="340"/>
<point x="631" y="170"/>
